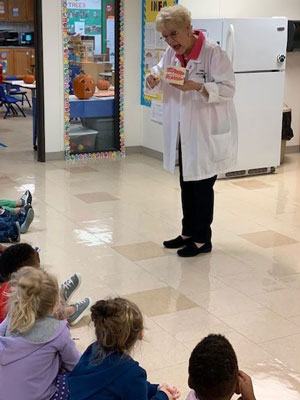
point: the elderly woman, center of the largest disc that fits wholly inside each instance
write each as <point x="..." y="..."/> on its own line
<point x="198" y="116"/>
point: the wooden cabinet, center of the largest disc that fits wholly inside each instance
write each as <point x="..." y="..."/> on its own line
<point x="22" y="61"/>
<point x="4" y="10"/>
<point x="17" y="10"/>
<point x="29" y="10"/>
<point x="17" y="61"/>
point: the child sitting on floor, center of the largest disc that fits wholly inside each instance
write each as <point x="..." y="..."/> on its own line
<point x="214" y="373"/>
<point x="106" y="370"/>
<point x="34" y="346"/>
<point x="19" y="255"/>
<point x="15" y="206"/>
<point x="19" y="211"/>
<point x="9" y="231"/>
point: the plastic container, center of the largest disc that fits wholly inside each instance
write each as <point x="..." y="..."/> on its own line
<point x="105" y="139"/>
<point x="82" y="139"/>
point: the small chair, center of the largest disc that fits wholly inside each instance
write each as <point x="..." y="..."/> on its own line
<point x="9" y="102"/>
<point x="15" y="90"/>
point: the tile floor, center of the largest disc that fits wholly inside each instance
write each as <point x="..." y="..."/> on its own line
<point x="107" y="220"/>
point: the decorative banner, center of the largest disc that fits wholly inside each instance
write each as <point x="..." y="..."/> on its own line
<point x="98" y="155"/>
<point x="152" y="45"/>
<point x="84" y="4"/>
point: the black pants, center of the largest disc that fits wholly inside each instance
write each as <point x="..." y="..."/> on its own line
<point x="197" y="198"/>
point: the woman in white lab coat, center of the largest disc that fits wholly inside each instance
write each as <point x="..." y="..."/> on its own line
<point x="200" y="117"/>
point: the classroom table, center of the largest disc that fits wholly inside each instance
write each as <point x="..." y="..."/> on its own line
<point x="21" y="84"/>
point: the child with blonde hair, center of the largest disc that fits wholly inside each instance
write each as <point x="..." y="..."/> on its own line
<point x="34" y="346"/>
<point x="106" y="371"/>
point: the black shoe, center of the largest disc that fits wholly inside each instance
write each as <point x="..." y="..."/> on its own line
<point x="176" y="243"/>
<point x="191" y="250"/>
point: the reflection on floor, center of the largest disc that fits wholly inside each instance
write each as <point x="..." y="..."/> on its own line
<point x="107" y="220"/>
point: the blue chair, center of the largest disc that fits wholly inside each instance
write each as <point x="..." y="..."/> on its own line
<point x="9" y="102"/>
<point x="15" y="90"/>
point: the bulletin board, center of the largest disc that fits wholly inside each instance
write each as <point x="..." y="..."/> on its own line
<point x="85" y="18"/>
<point x="152" y="45"/>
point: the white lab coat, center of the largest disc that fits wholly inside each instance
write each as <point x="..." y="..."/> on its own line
<point x="208" y="123"/>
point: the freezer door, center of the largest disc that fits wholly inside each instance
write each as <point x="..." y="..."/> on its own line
<point x="212" y="28"/>
<point x="259" y="102"/>
<point x="255" y="44"/>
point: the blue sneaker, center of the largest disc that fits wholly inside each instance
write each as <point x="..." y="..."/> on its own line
<point x="81" y="309"/>
<point x="69" y="287"/>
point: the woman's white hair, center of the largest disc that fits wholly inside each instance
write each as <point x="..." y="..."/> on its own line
<point x="174" y="17"/>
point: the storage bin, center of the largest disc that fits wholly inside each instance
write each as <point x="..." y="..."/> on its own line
<point x="82" y="139"/>
<point x="105" y="138"/>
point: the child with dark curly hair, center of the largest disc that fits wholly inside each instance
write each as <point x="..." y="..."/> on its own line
<point x="20" y="255"/>
<point x="214" y="372"/>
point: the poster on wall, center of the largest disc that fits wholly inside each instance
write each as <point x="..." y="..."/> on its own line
<point x="152" y="45"/>
<point x="84" y="18"/>
<point x="110" y="38"/>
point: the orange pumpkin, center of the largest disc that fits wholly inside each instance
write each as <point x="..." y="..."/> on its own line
<point x="29" y="79"/>
<point x="84" y="86"/>
<point x="103" y="85"/>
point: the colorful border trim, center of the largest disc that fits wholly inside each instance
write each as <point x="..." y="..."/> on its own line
<point x="98" y="155"/>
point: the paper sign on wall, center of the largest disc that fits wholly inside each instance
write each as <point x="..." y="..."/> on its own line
<point x="152" y="46"/>
<point x="85" y="4"/>
<point x="156" y="111"/>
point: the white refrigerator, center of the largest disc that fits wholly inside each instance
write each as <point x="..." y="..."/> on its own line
<point x="257" y="49"/>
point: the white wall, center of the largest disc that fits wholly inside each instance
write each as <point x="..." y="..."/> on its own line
<point x="260" y="8"/>
<point x="152" y="133"/>
<point x="53" y="76"/>
<point x="132" y="84"/>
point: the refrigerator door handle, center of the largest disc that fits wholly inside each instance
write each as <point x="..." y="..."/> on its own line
<point x="230" y="43"/>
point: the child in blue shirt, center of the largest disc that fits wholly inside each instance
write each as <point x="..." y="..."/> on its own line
<point x="106" y="371"/>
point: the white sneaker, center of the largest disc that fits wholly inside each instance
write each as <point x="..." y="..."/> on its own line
<point x="26" y="198"/>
